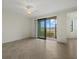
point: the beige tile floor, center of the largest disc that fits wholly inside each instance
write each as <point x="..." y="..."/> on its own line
<point x="39" y="49"/>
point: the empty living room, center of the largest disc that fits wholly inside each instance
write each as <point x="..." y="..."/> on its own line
<point x="39" y="29"/>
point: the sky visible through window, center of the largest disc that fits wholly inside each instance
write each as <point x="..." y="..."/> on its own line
<point x="49" y="23"/>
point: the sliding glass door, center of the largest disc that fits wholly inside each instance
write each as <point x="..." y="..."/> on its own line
<point x="47" y="28"/>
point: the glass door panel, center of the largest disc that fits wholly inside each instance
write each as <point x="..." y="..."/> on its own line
<point x="51" y="28"/>
<point x="41" y="28"/>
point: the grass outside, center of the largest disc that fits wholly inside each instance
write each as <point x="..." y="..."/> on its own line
<point x="49" y="33"/>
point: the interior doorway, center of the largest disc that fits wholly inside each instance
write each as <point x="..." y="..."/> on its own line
<point x="47" y="28"/>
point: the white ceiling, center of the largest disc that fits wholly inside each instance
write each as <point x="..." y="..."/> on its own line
<point x="41" y="7"/>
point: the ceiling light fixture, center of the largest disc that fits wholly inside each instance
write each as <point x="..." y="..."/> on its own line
<point x="29" y="9"/>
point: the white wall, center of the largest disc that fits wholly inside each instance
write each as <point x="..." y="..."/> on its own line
<point x="15" y="26"/>
<point x="61" y="27"/>
<point x="72" y="16"/>
<point x="62" y="33"/>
